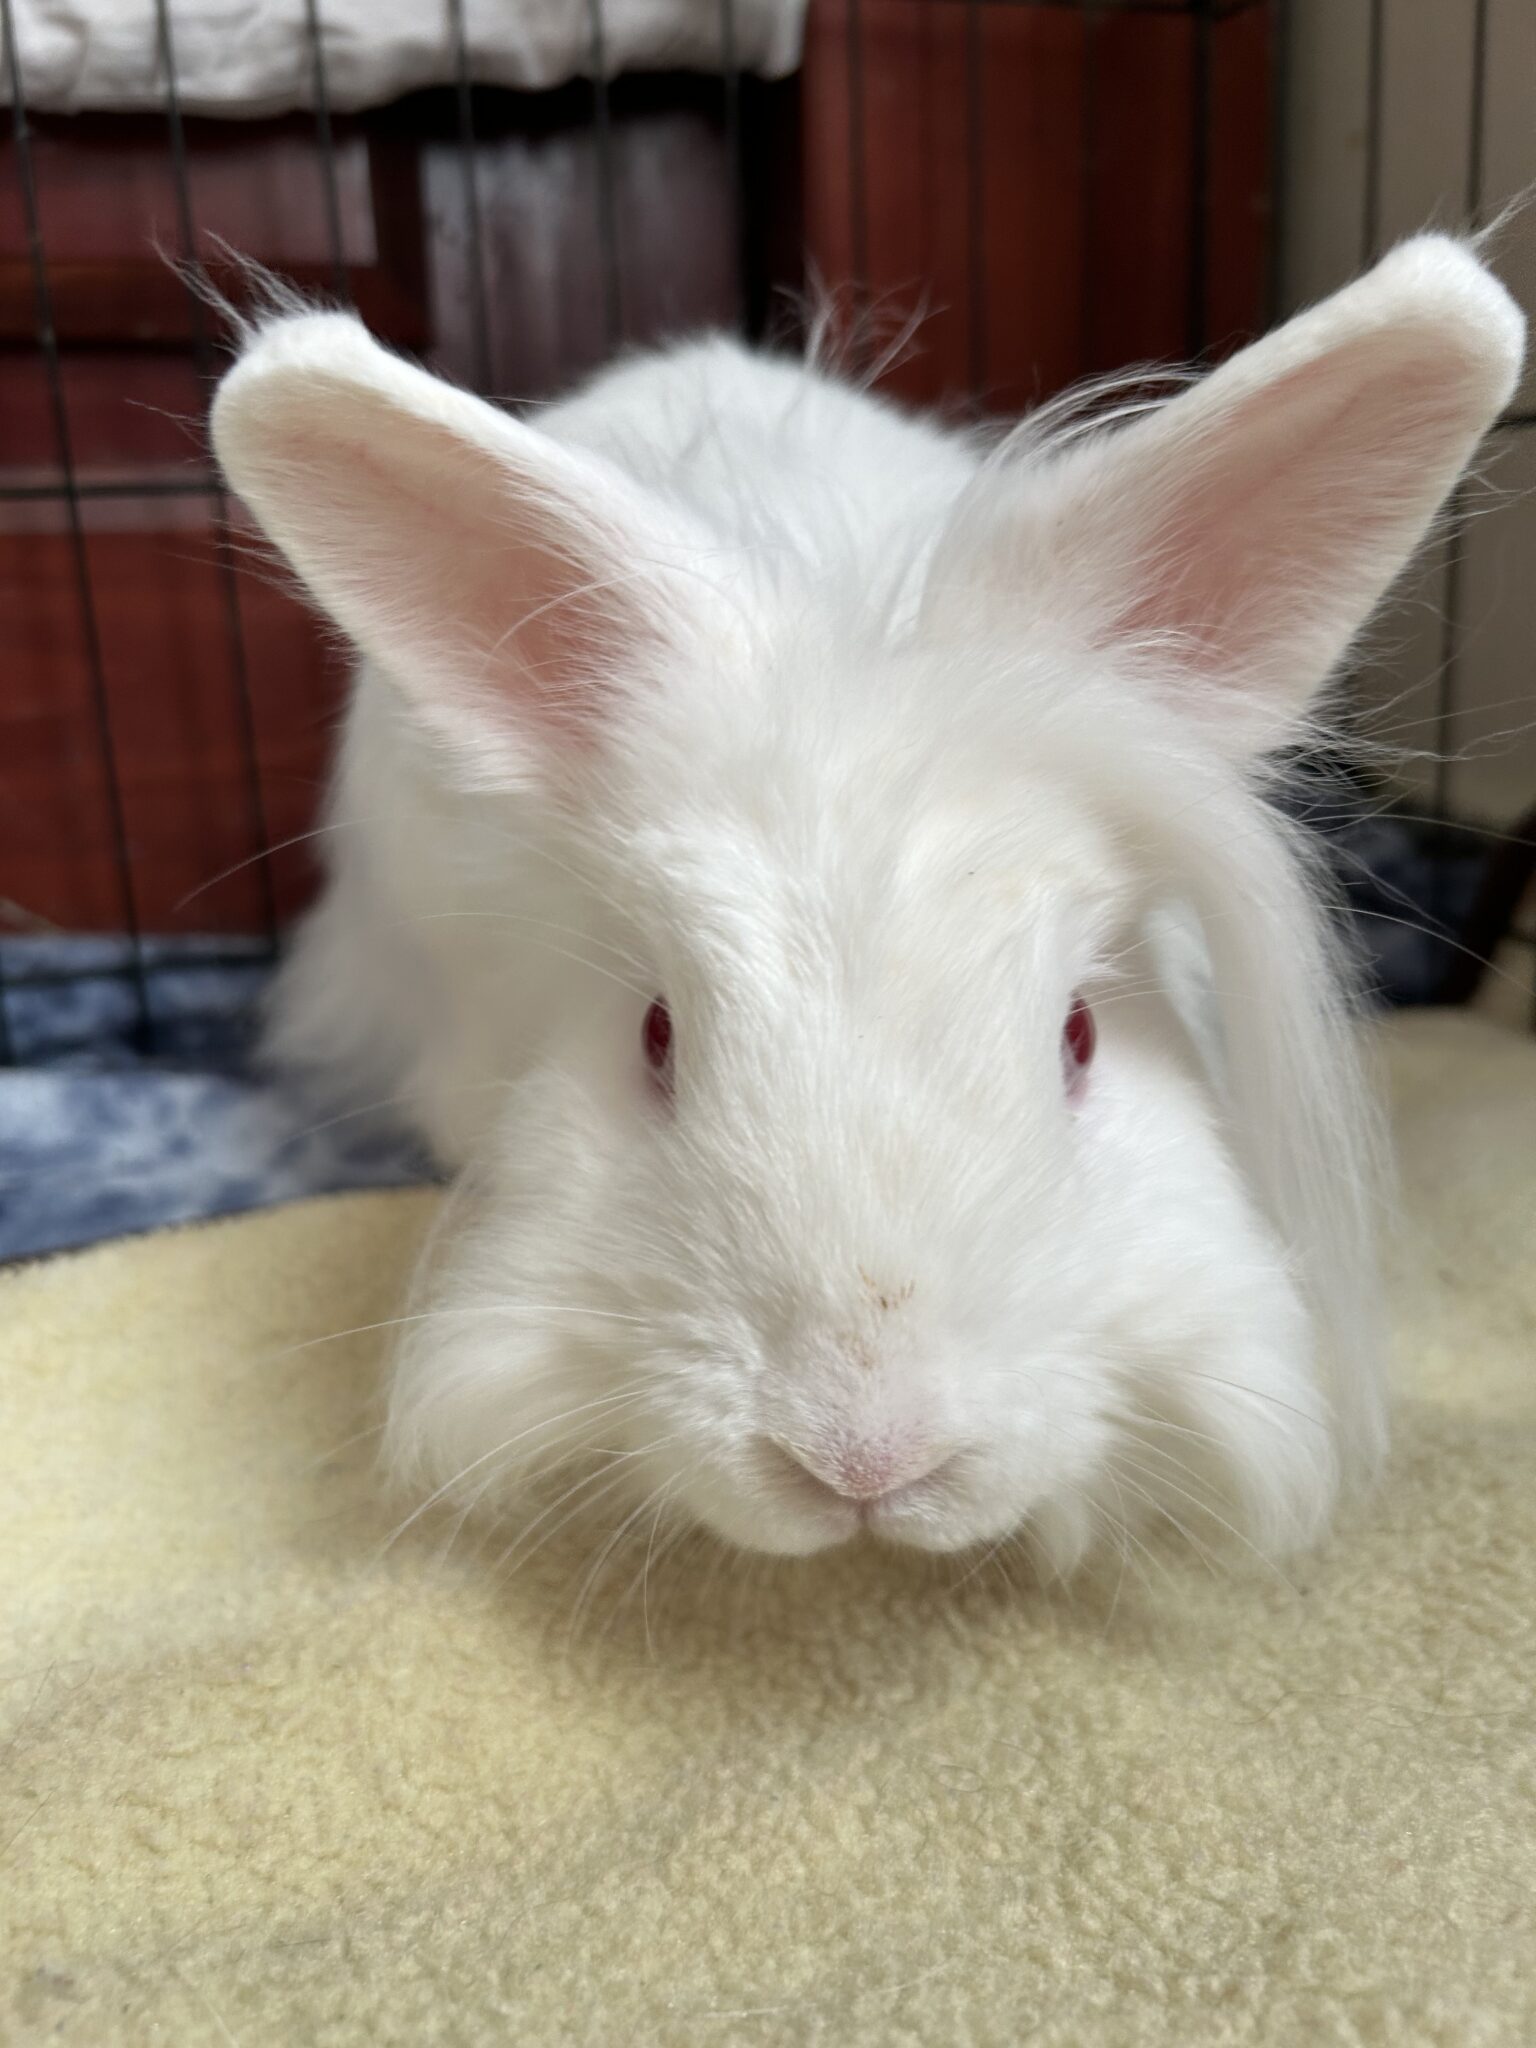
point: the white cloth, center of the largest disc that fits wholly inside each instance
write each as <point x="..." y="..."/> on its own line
<point x="251" y="57"/>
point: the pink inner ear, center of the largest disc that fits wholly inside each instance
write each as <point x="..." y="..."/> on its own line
<point x="1271" y="528"/>
<point x="565" y="650"/>
<point x="453" y="560"/>
<point x="531" y="624"/>
<point x="1239" y="516"/>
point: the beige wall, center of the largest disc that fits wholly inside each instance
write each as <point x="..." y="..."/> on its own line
<point x="1424" y="175"/>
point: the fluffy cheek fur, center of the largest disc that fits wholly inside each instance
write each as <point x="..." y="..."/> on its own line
<point x="1177" y="1380"/>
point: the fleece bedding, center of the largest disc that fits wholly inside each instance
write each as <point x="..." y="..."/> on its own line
<point x="249" y="57"/>
<point x="267" y="1777"/>
<point x="101" y="1136"/>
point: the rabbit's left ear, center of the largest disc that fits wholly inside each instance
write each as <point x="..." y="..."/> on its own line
<point x="1241" y="534"/>
<point x="511" y="588"/>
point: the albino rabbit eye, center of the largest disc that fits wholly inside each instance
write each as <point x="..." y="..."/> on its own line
<point x="1079" y="1035"/>
<point x="656" y="1037"/>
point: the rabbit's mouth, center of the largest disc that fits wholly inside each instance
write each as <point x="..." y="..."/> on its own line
<point x="779" y="1503"/>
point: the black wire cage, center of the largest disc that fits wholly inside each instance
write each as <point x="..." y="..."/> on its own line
<point x="517" y="237"/>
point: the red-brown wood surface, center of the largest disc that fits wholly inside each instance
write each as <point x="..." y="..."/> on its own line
<point x="177" y="734"/>
<point x="110" y="220"/>
<point x="1027" y="176"/>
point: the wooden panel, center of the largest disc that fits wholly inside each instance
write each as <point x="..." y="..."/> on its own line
<point x="107" y="206"/>
<point x="886" y="228"/>
<point x="1027" y="176"/>
<point x="1241" y="204"/>
<point x="131" y="415"/>
<point x="177" y="736"/>
<point x="1033" y="247"/>
<point x="556" y="305"/>
<point x="1139" y="228"/>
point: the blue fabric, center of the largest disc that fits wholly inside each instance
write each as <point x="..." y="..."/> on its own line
<point x="99" y="1137"/>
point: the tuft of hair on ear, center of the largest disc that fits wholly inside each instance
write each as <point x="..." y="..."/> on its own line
<point x="1485" y="239"/>
<point x="255" y="297"/>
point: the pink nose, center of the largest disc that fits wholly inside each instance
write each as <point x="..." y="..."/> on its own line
<point x="869" y="1468"/>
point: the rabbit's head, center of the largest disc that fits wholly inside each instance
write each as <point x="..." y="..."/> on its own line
<point x="962" y="1133"/>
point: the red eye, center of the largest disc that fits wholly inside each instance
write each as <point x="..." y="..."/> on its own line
<point x="1078" y="1036"/>
<point x="656" y="1037"/>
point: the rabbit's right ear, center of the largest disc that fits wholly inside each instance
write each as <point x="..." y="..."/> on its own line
<point x="1241" y="535"/>
<point x="512" y="587"/>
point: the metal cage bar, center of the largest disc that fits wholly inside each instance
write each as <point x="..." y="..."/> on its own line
<point x="735" y="156"/>
<point x="325" y="144"/>
<point x="224" y="554"/>
<point x="607" y="188"/>
<point x="1447" y="688"/>
<point x="480" y="310"/>
<point x="1375" y="61"/>
<point x="88" y="489"/>
<point x="69" y="495"/>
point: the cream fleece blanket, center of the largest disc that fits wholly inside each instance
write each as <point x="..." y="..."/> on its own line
<point x="264" y="1787"/>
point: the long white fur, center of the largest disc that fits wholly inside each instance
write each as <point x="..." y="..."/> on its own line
<point x="865" y="746"/>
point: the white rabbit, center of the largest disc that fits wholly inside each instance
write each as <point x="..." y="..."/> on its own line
<point x="751" y="801"/>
